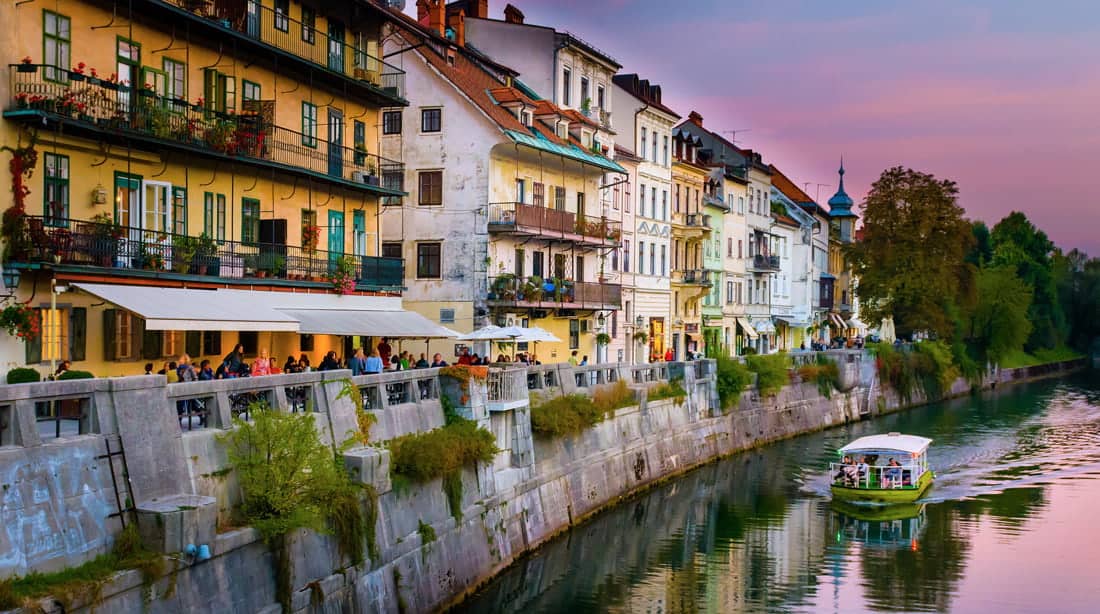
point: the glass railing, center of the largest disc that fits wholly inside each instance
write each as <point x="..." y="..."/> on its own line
<point x="62" y="240"/>
<point x="317" y="46"/>
<point x="117" y="108"/>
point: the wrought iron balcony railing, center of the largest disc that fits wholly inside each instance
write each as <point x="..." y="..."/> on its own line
<point x="320" y="48"/>
<point x="124" y="249"/>
<point x="535" y="291"/>
<point x="762" y="262"/>
<point x="698" y="277"/>
<point x="697" y="220"/>
<point x="110" y="108"/>
<point x="521" y="218"/>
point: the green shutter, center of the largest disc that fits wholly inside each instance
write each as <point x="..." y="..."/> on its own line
<point x="34" y="346"/>
<point x="78" y="333"/>
<point x="152" y="344"/>
<point x="110" y="350"/>
<point x="193" y="343"/>
<point x="213" y="343"/>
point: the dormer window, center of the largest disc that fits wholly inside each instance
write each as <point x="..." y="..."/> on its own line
<point x="525" y="118"/>
<point x="451" y="57"/>
<point x="563" y="130"/>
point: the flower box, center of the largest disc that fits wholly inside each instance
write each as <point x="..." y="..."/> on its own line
<point x="24" y="67"/>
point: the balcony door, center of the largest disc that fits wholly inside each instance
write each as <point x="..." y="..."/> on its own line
<point x="128" y="215"/>
<point x="252" y="19"/>
<point x="359" y="232"/>
<point x="336" y="46"/>
<point x="335" y="236"/>
<point x="128" y="70"/>
<point x="156" y="224"/>
<point x="335" y="143"/>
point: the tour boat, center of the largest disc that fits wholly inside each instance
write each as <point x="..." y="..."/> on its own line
<point x="878" y="527"/>
<point x="891" y="468"/>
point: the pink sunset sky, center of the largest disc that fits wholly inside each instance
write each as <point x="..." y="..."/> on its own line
<point x="1002" y="96"/>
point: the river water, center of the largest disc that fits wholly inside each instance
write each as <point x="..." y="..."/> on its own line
<point x="1009" y="525"/>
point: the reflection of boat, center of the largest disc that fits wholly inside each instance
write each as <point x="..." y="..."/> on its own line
<point x="890" y="468"/>
<point x="876" y="527"/>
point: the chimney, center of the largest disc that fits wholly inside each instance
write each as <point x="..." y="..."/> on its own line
<point x="695" y="118"/>
<point x="432" y="14"/>
<point x="512" y="14"/>
<point x="422" y="12"/>
<point x="477" y="8"/>
<point x="457" y="23"/>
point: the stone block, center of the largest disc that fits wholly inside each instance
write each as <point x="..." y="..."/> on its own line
<point x="370" y="466"/>
<point x="170" y="524"/>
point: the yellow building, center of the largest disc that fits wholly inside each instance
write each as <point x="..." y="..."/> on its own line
<point x="691" y="281"/>
<point x="198" y="144"/>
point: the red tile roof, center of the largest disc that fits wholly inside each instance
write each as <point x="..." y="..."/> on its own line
<point x="787" y="187"/>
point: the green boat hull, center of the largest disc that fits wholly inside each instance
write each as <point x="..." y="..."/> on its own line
<point x="884" y="495"/>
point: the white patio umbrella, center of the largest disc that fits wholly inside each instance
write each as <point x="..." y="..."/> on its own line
<point x="487" y="333"/>
<point x="536" y="334"/>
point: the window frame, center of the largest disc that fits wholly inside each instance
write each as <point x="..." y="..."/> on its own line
<point x="566" y="85"/>
<point x="170" y="66"/>
<point x="309" y="25"/>
<point x="246" y="86"/>
<point x="431" y="189"/>
<point x="61" y="44"/>
<point x="309" y="124"/>
<point x="250" y="221"/>
<point x="425" y="113"/>
<point x="178" y="204"/>
<point x="389" y="128"/>
<point x="423" y="266"/>
<point x="56" y="183"/>
<point x="282" y="15"/>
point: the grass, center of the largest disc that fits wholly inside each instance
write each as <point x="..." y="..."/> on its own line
<point x="824" y="373"/>
<point x="1019" y="358"/>
<point x="771" y="372"/>
<point x="565" y="415"/>
<point x="733" y="378"/>
<point x="85" y="581"/>
<point x="668" y="390"/>
<point x="613" y="396"/>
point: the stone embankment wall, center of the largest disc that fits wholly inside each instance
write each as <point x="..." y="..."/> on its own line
<point x="60" y="496"/>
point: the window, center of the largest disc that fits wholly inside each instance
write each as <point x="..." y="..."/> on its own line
<point x="643" y="156"/>
<point x="614" y="260"/>
<point x="741" y="204"/>
<point x="250" y="340"/>
<point x="584" y="91"/>
<point x="177" y="79"/>
<point x="179" y="210"/>
<point x="574" y="334"/>
<point x="538" y="194"/>
<point x="664" y="269"/>
<point x="729" y="247"/>
<point x="446" y="316"/>
<point x="56" y="38"/>
<point x="525" y="118"/>
<point x="559" y="198"/>
<point x="664" y="151"/>
<point x="219" y="91"/>
<point x="599" y="97"/>
<point x="249" y="90"/>
<point x="282" y="12"/>
<point x="391" y="122"/>
<point x="652" y="258"/>
<point x="309" y="24"/>
<point x="428" y="257"/>
<point x="55" y="333"/>
<point x="431" y="120"/>
<point x="391" y="249"/>
<point x="729" y="292"/>
<point x="169" y="345"/>
<point x="626" y="256"/>
<point x="641" y="257"/>
<point x="359" y="137"/>
<point x="654" y="146"/>
<point x="431" y="188"/>
<point x="566" y="81"/>
<point x="250" y="220"/>
<point x="653" y="202"/>
<point x="309" y="124"/>
<point x="306" y="343"/>
<point x="664" y="205"/>
<point x="676" y="199"/>
<point x="536" y="264"/>
<point x="56" y="190"/>
<point x="521" y="191"/>
<point x="213" y="215"/>
<point x="641" y="200"/>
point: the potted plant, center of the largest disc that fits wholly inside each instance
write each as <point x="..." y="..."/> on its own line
<point x="641" y="337"/>
<point x="342" y="275"/>
<point x="77" y="73"/>
<point x="184" y="249"/>
<point x="270" y="264"/>
<point x="603" y="339"/>
<point x="311" y="234"/>
<point x="205" y="255"/>
<point x="505" y="286"/>
<point x="106" y="233"/>
<point x="20" y="321"/>
<point x="532" y="290"/>
<point x="586" y="106"/>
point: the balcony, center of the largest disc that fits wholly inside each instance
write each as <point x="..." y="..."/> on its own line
<point x="521" y="219"/>
<point x="713" y="200"/>
<point x="249" y="25"/>
<point x="102" y="110"/>
<point x="762" y="262"/>
<point x="510" y="291"/>
<point x="111" y="249"/>
<point x="692" y="277"/>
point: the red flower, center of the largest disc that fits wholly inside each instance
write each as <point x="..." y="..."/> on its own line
<point x="27" y="60"/>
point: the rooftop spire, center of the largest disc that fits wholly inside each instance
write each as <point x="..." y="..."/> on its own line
<point x="840" y="205"/>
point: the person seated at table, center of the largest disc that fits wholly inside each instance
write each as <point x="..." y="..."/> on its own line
<point x="329" y="362"/>
<point x="465" y="358"/>
<point x="262" y="365"/>
<point x="422" y="363"/>
<point x="291" y="365"/>
<point x="374" y="363"/>
<point x="892" y="474"/>
<point x="205" y="372"/>
<point x="437" y="361"/>
<point x="303" y="364"/>
<point x="406" y="360"/>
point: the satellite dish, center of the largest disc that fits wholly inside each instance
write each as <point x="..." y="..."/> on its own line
<point x="396" y="4"/>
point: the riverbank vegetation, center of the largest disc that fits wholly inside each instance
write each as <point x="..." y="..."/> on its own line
<point x="823" y="372"/>
<point x="733" y="378"/>
<point x="1006" y="295"/>
<point x="672" y="389"/>
<point x="772" y="372"/>
<point x="573" y="413"/>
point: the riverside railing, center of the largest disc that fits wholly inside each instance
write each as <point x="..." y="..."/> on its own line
<point x="506" y="387"/>
<point x="34" y="412"/>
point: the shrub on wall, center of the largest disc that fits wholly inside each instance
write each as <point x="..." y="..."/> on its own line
<point x="822" y="372"/>
<point x="733" y="378"/>
<point x="565" y="415"/>
<point x="613" y="396"/>
<point x="76" y="375"/>
<point x="23" y="375"/>
<point x="668" y="390"/>
<point x="771" y="372"/>
<point x="928" y="366"/>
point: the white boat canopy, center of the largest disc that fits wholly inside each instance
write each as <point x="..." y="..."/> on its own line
<point x="911" y="444"/>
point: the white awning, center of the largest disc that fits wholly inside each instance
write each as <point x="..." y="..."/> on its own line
<point x="856" y="324"/>
<point x="747" y="327"/>
<point x="376" y="323"/>
<point x="189" y="309"/>
<point x="837" y="321"/>
<point x="765" y="327"/>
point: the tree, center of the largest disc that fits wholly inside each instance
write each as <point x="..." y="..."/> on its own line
<point x="1078" y="281"/>
<point x="999" y="323"/>
<point x="910" y="262"/>
<point x="982" y="252"/>
<point x="1019" y="244"/>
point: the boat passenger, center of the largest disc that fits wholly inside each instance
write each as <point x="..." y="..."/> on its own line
<point x="862" y="469"/>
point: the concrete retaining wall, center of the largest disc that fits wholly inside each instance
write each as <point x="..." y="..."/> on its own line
<point x="536" y="488"/>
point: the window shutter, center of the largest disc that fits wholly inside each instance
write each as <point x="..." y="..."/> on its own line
<point x="78" y="332"/>
<point x="193" y="345"/>
<point x="34" y="346"/>
<point x="137" y="336"/>
<point x="110" y="350"/>
<point x="213" y="343"/>
<point x="152" y="343"/>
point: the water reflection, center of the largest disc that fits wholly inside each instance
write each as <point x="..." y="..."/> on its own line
<point x="757" y="531"/>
